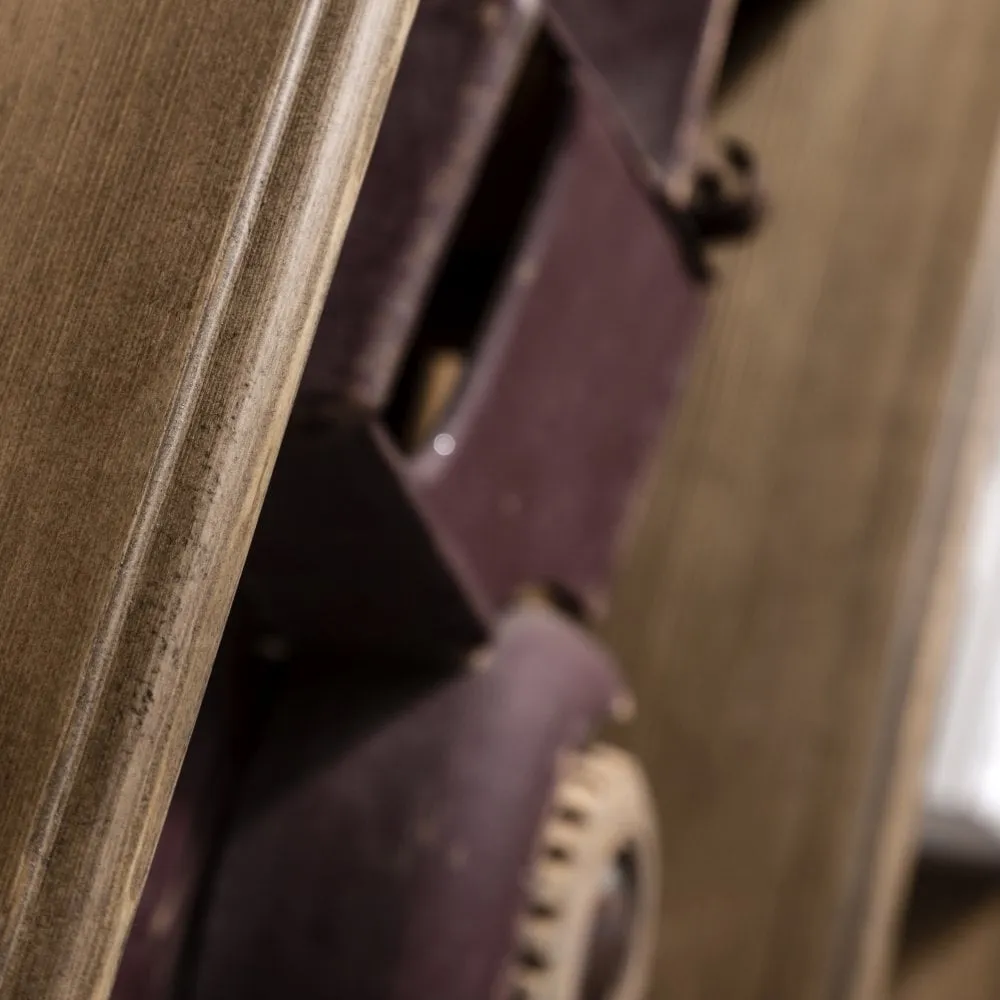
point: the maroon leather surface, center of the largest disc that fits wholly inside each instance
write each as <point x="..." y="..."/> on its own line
<point x="196" y="818"/>
<point x="637" y="57"/>
<point x="460" y="61"/>
<point x="571" y="385"/>
<point x="386" y="830"/>
<point x="343" y="556"/>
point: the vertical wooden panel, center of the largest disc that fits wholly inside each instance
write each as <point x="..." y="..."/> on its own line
<point x="766" y="615"/>
<point x="175" y="179"/>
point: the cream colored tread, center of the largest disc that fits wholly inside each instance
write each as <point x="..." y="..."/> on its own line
<point x="601" y="812"/>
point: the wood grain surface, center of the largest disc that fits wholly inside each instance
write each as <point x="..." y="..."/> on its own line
<point x="175" y="180"/>
<point x="771" y="614"/>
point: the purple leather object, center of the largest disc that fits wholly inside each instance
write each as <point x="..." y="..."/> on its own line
<point x="568" y="392"/>
<point x="637" y="56"/>
<point x="460" y="62"/>
<point x="384" y="835"/>
<point x="343" y="556"/>
<point x="359" y="544"/>
<point x="206" y="785"/>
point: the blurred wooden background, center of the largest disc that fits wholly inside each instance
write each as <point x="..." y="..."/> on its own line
<point x="784" y="612"/>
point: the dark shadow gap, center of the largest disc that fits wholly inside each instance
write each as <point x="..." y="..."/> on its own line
<point x="485" y="242"/>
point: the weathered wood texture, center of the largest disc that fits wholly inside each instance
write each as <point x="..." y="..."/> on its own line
<point x="175" y="179"/>
<point x="770" y="615"/>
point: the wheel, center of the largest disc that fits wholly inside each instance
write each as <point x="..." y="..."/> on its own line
<point x="588" y="930"/>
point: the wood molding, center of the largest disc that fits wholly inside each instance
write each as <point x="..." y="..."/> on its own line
<point x="175" y="179"/>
